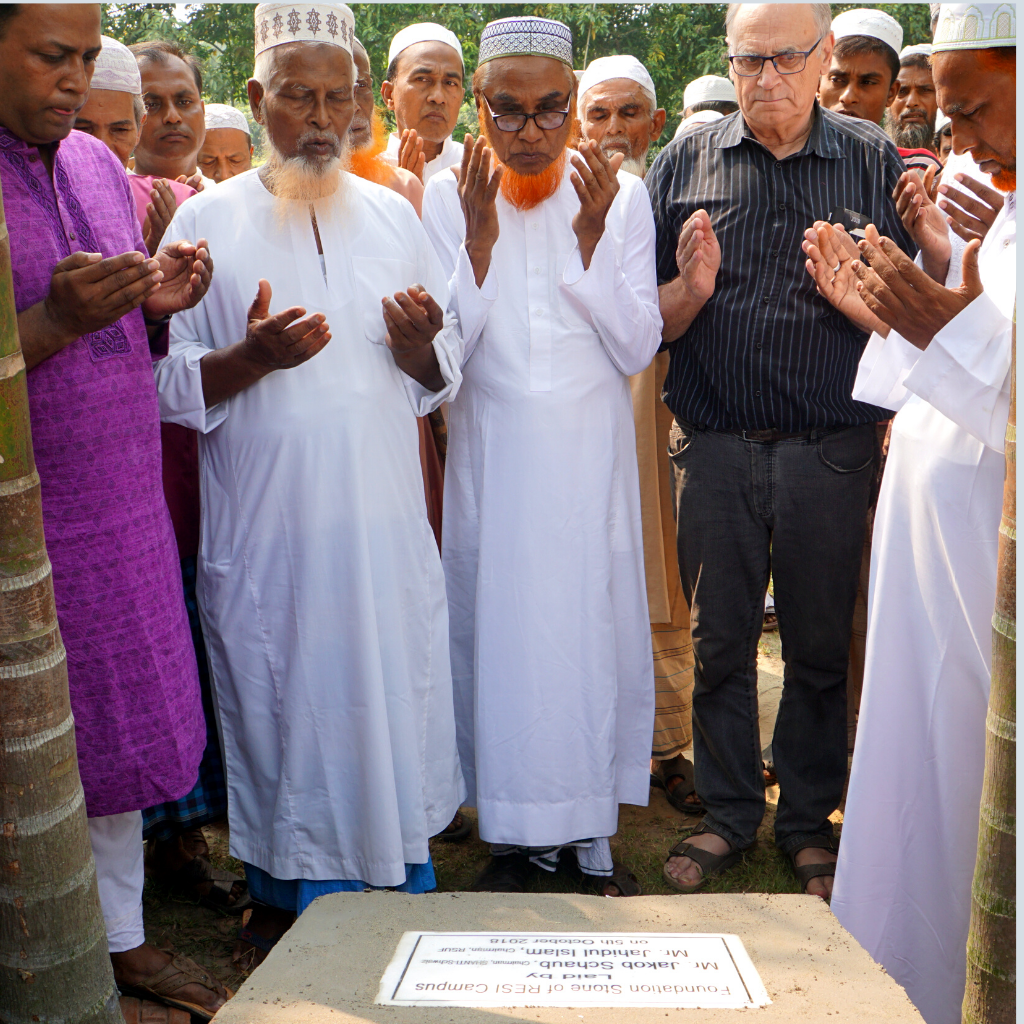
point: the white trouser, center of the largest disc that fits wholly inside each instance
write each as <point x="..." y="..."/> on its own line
<point x="117" y="848"/>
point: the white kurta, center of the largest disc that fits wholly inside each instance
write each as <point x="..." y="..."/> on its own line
<point x="450" y="155"/>
<point x="910" y="830"/>
<point x="542" y="547"/>
<point x="320" y="585"/>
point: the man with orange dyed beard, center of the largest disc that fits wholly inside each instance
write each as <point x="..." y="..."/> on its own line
<point x="369" y="138"/>
<point x="940" y="355"/>
<point x="550" y="255"/>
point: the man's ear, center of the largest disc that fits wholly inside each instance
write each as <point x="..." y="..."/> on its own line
<point x="893" y="90"/>
<point x="660" y="116"/>
<point x="255" y="91"/>
<point x="387" y="91"/>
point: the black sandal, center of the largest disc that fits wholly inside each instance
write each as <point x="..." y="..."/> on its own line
<point x="806" y="872"/>
<point x="709" y="863"/>
<point x="507" y="873"/>
<point x="678" y="768"/>
<point x="622" y="878"/>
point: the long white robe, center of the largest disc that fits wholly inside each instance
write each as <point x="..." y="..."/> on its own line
<point x="910" y="830"/>
<point x="542" y="546"/>
<point x="320" y="584"/>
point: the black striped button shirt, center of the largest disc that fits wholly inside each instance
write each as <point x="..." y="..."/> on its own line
<point x="767" y="351"/>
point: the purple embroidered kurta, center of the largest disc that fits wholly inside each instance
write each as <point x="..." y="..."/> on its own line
<point x="96" y="436"/>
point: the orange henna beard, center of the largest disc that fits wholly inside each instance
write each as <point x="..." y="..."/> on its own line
<point x="525" y="191"/>
<point x="366" y="163"/>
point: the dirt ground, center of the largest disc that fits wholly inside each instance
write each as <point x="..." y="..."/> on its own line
<point x="644" y="836"/>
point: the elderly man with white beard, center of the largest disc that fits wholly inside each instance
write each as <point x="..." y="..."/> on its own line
<point x="551" y="260"/>
<point x="619" y="111"/>
<point x="320" y="583"/>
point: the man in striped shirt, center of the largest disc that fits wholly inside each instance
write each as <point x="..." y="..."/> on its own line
<point x="775" y="461"/>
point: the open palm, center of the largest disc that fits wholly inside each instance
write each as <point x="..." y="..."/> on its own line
<point x="187" y="271"/>
<point x="698" y="256"/>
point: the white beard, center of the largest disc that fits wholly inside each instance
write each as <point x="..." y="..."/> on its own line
<point x="296" y="182"/>
<point x="635" y="165"/>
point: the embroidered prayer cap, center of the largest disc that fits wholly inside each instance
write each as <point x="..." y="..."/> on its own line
<point x="975" y="27"/>
<point x="620" y="66"/>
<point x="709" y="87"/>
<point x="116" y="69"/>
<point x="864" y="22"/>
<point x="423" y="32"/>
<point x="924" y="49"/>
<point x="526" y="37"/>
<point x="220" y="115"/>
<point x="277" y="24"/>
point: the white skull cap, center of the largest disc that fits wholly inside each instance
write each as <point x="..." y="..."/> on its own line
<point x="923" y="48"/>
<point x="423" y="32"/>
<point x="975" y="27"/>
<point x="116" y="69"/>
<point x="220" y="115"/>
<point x="695" y="120"/>
<point x="709" y="87"/>
<point x="277" y="24"/>
<point x="864" y="22"/>
<point x="621" y="66"/>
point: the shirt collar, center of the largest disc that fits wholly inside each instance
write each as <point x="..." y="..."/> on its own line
<point x="822" y="139"/>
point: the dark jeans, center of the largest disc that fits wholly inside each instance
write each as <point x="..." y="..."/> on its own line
<point x="796" y="509"/>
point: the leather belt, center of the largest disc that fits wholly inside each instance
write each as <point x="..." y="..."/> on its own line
<point x="767" y="436"/>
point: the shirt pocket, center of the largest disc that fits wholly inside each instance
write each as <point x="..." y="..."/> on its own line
<point x="375" y="278"/>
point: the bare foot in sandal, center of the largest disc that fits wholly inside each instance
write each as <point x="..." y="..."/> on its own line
<point x="687" y="872"/>
<point x="822" y="885"/>
<point x="134" y="967"/>
<point x="262" y="931"/>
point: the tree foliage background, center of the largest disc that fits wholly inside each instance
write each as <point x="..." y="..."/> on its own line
<point x="677" y="42"/>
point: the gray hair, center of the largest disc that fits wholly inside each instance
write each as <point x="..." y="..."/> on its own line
<point x="822" y="17"/>
<point x="138" y="109"/>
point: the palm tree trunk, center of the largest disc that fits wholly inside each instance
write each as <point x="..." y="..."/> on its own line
<point x="991" y="944"/>
<point x="54" y="964"/>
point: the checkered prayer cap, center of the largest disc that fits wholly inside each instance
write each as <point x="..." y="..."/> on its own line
<point x="277" y="24"/>
<point x="526" y="37"/>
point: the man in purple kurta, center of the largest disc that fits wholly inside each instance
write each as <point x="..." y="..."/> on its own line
<point x="80" y="278"/>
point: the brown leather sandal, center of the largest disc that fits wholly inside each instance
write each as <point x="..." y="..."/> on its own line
<point x="708" y="862"/>
<point x="142" y="1011"/>
<point x="170" y="979"/>
<point x="806" y="872"/>
<point x="622" y="878"/>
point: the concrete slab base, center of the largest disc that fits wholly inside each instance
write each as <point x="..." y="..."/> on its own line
<point x="327" y="968"/>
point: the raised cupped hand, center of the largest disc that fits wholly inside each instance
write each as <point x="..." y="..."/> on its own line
<point x="478" y="190"/>
<point x="187" y="272"/>
<point x="698" y="256"/>
<point x="830" y="255"/>
<point x="284" y="340"/>
<point x="88" y="292"/>
<point x="596" y="183"/>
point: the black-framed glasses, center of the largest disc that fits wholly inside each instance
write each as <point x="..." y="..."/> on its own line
<point x="749" y="65"/>
<point x="546" y="120"/>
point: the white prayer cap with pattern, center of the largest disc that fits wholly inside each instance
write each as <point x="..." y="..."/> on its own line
<point x="526" y="37"/>
<point x="116" y="69"/>
<point x="620" y="66"/>
<point x="923" y="48"/>
<point x="864" y="22"/>
<point x="220" y="115"/>
<point x="975" y="27"/>
<point x="423" y="32"/>
<point x="277" y="24"/>
<point x="709" y="87"/>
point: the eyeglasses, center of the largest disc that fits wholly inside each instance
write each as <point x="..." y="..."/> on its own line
<point x="546" y="120"/>
<point x="750" y="65"/>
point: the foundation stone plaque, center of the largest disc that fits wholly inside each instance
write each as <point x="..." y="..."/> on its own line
<point x="574" y="969"/>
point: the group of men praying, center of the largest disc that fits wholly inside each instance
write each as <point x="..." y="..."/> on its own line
<point x="400" y="474"/>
